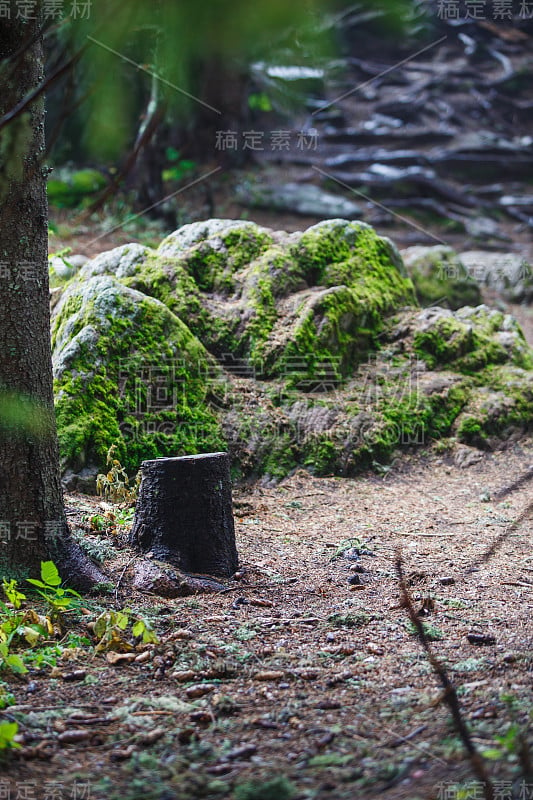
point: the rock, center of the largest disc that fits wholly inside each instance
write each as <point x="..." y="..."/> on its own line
<point x="440" y="277"/>
<point x="231" y="239"/>
<point x="65" y="267"/>
<point x="165" y="580"/>
<point x="127" y="372"/>
<point x="483" y="228"/>
<point x="470" y="338"/>
<point x="83" y="481"/>
<point x="299" y="198"/>
<point x="481" y="639"/>
<point x="509" y="274"/>
<point x="288" y="350"/>
<point x="122" y="262"/>
<point x="466" y="456"/>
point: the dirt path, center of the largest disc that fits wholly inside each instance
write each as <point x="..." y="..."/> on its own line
<point x="307" y="668"/>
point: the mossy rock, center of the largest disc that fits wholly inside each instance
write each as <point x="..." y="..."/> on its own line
<point x="353" y="280"/>
<point x="278" y="301"/>
<point x="328" y="363"/>
<point x="499" y="407"/>
<point x="214" y="250"/>
<point x="440" y="277"/>
<point x="470" y="339"/>
<point x="127" y="372"/>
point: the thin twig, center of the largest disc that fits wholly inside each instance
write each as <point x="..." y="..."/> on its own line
<point x="450" y="695"/>
<point x="484" y="557"/>
<point x="117" y="587"/>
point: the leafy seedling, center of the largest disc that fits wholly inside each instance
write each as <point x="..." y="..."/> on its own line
<point x="59" y="599"/>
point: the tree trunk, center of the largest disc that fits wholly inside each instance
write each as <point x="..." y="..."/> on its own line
<point x="184" y="513"/>
<point x="32" y="518"/>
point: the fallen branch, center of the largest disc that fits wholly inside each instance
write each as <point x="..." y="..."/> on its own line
<point x="450" y="695"/>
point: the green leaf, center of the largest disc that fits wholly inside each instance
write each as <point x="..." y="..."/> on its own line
<point x="122" y="620"/>
<point x="50" y="574"/>
<point x="8" y="731"/>
<point x="100" y="626"/>
<point x="138" y="628"/>
<point x="16" y="664"/>
<point x="38" y="583"/>
<point x="492" y="754"/>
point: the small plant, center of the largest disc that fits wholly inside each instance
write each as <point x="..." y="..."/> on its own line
<point x="432" y="633"/>
<point x="8" y="731"/>
<point x="11" y="661"/>
<point x="111" y="626"/>
<point x="115" y="483"/>
<point x="6" y="698"/>
<point x="358" y="620"/>
<point x="351" y="548"/>
<point x="275" y="789"/>
<point x="14" y="596"/>
<point x="59" y="600"/>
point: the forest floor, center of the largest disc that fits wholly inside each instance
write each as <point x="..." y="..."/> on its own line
<point x="304" y="678"/>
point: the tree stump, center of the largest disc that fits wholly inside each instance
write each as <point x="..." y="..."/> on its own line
<point x="184" y="513"/>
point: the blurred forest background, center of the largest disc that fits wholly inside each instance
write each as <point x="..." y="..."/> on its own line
<point x="411" y="114"/>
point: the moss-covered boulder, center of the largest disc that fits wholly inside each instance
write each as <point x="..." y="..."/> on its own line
<point x="122" y="262"/>
<point x="440" y="277"/>
<point x="470" y="339"/>
<point x="509" y="275"/>
<point x="279" y="301"/>
<point x="127" y="372"/>
<point x="286" y="349"/>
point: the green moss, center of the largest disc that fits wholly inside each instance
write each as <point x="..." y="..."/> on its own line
<point x="139" y="381"/>
<point x="503" y="400"/>
<point x="440" y="277"/>
<point x="281" y="459"/>
<point x="446" y="341"/>
<point x="321" y="454"/>
<point x="212" y="263"/>
<point x="471" y="340"/>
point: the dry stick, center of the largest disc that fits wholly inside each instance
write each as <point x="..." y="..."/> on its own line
<point x="516" y="484"/>
<point x="450" y="695"/>
<point x="484" y="557"/>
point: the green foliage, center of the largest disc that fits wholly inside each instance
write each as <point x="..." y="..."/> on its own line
<point x="6" y="697"/>
<point x="112" y="627"/>
<point x="259" y="101"/>
<point x="279" y="788"/>
<point x="14" y="596"/>
<point x="8" y="731"/>
<point x="181" y="167"/>
<point x="59" y="599"/>
<point x="11" y="661"/>
<point x="74" y="188"/>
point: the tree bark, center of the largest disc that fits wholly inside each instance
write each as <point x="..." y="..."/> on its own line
<point x="184" y="513"/>
<point x="33" y="525"/>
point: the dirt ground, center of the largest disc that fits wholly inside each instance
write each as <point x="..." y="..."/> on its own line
<point x="305" y="674"/>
